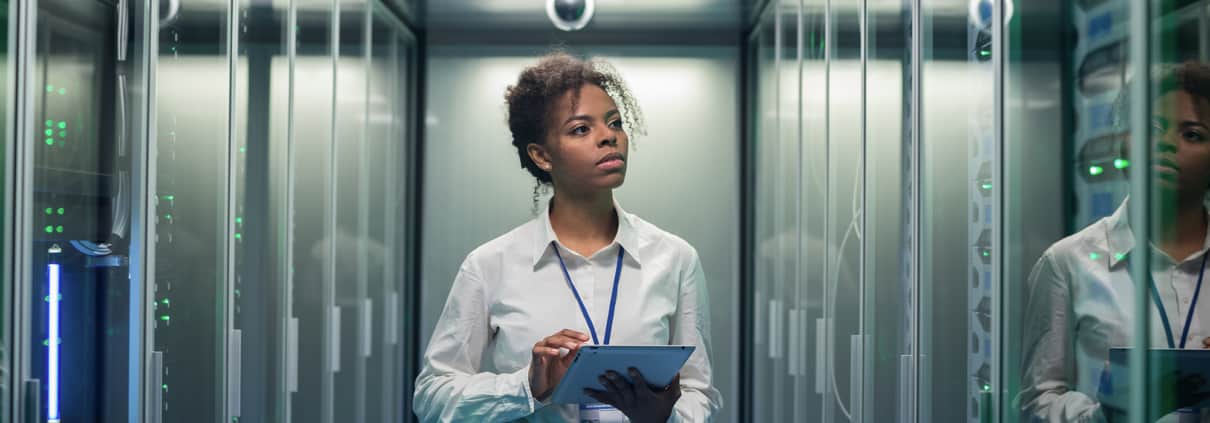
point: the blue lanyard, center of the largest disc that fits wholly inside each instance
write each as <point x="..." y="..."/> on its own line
<point x="613" y="298"/>
<point x="1155" y="295"/>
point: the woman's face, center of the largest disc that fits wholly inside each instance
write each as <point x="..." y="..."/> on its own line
<point x="586" y="147"/>
<point x="1182" y="143"/>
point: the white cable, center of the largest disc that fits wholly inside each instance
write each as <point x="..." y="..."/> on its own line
<point x="852" y="228"/>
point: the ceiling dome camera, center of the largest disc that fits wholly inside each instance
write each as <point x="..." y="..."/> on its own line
<point x="570" y="15"/>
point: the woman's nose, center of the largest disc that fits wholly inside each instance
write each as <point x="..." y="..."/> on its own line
<point x="1166" y="142"/>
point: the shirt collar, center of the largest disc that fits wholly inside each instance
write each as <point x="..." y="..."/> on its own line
<point x="627" y="235"/>
<point x="1120" y="239"/>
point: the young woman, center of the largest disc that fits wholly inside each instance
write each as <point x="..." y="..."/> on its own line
<point x="1080" y="297"/>
<point x="581" y="271"/>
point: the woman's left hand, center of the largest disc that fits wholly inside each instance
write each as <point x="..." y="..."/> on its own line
<point x="638" y="401"/>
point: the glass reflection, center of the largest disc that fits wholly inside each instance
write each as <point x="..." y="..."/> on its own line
<point x="1078" y="312"/>
<point x="190" y="251"/>
<point x="261" y="102"/>
<point x="81" y="327"/>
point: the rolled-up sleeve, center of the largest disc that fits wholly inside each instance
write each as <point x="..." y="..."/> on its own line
<point x="451" y="386"/>
<point x="1048" y="357"/>
<point x="699" y="399"/>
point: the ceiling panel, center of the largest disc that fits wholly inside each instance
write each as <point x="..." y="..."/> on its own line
<point x="611" y="15"/>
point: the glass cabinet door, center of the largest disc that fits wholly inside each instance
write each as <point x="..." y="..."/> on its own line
<point x="82" y="329"/>
<point x="385" y="147"/>
<point x="8" y="17"/>
<point x="262" y="110"/>
<point x="353" y="245"/>
<point x="314" y="217"/>
<point x="764" y="386"/>
<point x="192" y="255"/>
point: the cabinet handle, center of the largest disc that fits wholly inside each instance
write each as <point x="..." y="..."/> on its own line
<point x="292" y="355"/>
<point x="820" y="360"/>
<point x="793" y="361"/>
<point x="334" y="365"/>
<point x="33" y="400"/>
<point x="367" y="326"/>
<point x="235" y="372"/>
<point x="157" y="387"/>
<point x="391" y="326"/>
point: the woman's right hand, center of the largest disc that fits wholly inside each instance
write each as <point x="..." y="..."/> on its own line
<point x="547" y="366"/>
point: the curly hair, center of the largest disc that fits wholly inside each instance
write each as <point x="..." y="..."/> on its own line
<point x="1189" y="76"/>
<point x="538" y="90"/>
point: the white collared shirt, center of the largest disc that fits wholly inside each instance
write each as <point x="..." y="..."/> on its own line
<point x="511" y="292"/>
<point x="1080" y="303"/>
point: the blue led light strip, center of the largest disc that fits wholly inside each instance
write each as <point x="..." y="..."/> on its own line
<point x="52" y="346"/>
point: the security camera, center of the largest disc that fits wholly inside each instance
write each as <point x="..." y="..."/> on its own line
<point x="570" y="15"/>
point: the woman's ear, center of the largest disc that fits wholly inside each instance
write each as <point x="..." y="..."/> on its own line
<point x="540" y="156"/>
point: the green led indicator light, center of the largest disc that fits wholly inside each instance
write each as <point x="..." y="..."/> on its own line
<point x="59" y="229"/>
<point x="238" y="236"/>
<point x="243" y="150"/>
<point x="63" y="134"/>
<point x="50" y="132"/>
<point x="985" y="53"/>
<point x="1094" y="256"/>
<point x="1119" y="256"/>
<point x="165" y="318"/>
<point x="61" y="211"/>
<point x="987" y="254"/>
<point x="987" y="185"/>
<point x="62" y="91"/>
<point x="239" y="220"/>
<point x="169" y="197"/>
<point x="168" y="216"/>
<point x="165" y="386"/>
<point x="1121" y="163"/>
<point x="49" y="211"/>
<point x="50" y="141"/>
<point x="1095" y="170"/>
<point x="50" y="229"/>
<point x="50" y="123"/>
<point x="62" y="125"/>
<point x="50" y="88"/>
<point x="165" y="301"/>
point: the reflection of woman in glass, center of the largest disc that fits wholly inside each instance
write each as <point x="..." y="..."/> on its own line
<point x="523" y="304"/>
<point x="1079" y="300"/>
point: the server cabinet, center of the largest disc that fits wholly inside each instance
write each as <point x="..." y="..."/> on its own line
<point x="78" y="299"/>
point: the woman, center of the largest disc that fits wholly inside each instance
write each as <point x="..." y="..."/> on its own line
<point x="522" y="304"/>
<point x="1080" y="297"/>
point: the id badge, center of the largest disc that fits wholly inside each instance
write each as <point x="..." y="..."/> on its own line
<point x="601" y="413"/>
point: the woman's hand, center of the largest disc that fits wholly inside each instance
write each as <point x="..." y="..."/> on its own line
<point x="547" y="367"/>
<point x="639" y="401"/>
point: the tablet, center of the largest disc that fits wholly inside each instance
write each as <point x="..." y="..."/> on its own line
<point x="1114" y="387"/>
<point x="657" y="363"/>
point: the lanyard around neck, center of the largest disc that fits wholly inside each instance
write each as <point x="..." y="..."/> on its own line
<point x="613" y="298"/>
<point x="1155" y="295"/>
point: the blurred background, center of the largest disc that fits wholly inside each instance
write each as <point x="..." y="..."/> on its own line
<point x="253" y="210"/>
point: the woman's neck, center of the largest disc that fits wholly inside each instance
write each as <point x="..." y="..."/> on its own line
<point x="584" y="223"/>
<point x="1183" y="230"/>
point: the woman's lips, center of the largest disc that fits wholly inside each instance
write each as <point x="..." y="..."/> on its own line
<point x="611" y="164"/>
<point x="1165" y="166"/>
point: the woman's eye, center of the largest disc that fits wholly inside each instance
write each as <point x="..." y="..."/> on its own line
<point x="1193" y="136"/>
<point x="580" y="130"/>
<point x="617" y="124"/>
